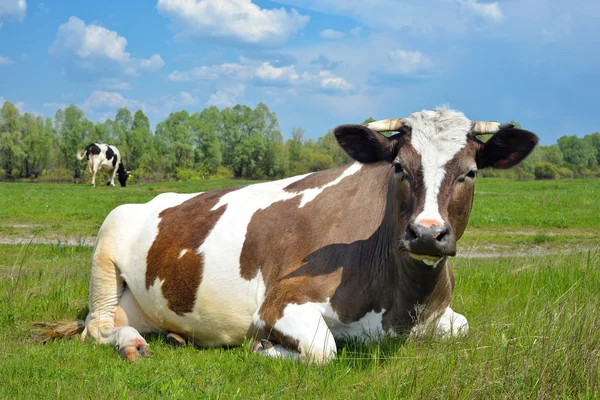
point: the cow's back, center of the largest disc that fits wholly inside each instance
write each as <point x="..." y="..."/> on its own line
<point x="189" y="260"/>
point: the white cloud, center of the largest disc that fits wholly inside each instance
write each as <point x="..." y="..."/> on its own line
<point x="356" y="31"/>
<point x="237" y="21"/>
<point x="227" y="96"/>
<point x="330" y="34"/>
<point x="489" y="12"/>
<point x="12" y="9"/>
<point x="214" y="72"/>
<point x="268" y="74"/>
<point x="92" y="51"/>
<point x="100" y="100"/>
<point x="402" y="62"/>
<point x="186" y="99"/>
<point x="401" y="65"/>
<point x="154" y="63"/>
<point x="421" y="17"/>
<point x="6" y="61"/>
<point x="263" y="74"/>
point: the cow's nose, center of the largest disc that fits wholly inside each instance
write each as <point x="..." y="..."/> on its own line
<point x="433" y="240"/>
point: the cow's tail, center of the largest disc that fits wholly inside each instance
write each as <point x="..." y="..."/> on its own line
<point x="46" y="331"/>
<point x="81" y="154"/>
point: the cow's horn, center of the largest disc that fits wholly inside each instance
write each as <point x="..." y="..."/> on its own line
<point x="485" y="127"/>
<point x="386" y="125"/>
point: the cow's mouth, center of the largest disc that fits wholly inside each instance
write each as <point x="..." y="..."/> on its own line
<point x="427" y="259"/>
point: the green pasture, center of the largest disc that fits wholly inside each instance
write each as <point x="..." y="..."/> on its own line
<point x="533" y="314"/>
<point x="534" y="334"/>
<point x="507" y="215"/>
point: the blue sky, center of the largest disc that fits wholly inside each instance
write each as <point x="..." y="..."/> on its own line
<point x="316" y="63"/>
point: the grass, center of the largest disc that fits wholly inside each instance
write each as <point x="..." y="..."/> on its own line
<point x="534" y="334"/>
<point x="78" y="210"/>
<point x="508" y="216"/>
<point x="534" y="320"/>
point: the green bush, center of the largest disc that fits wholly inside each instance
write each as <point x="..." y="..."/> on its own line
<point x="565" y="173"/>
<point x="223" y="173"/>
<point x="545" y="170"/>
<point x="188" y="174"/>
<point x="320" y="162"/>
<point x="57" y="175"/>
<point x="143" y="175"/>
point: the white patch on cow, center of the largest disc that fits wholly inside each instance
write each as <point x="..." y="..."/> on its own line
<point x="437" y="136"/>
<point x="305" y="323"/>
<point x="182" y="253"/>
<point x="446" y="325"/>
<point x="368" y="328"/>
<point x="310" y="194"/>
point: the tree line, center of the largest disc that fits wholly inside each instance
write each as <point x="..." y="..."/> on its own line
<point x="238" y="142"/>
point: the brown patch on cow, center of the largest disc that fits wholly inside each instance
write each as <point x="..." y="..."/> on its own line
<point x="183" y="227"/>
<point x="341" y="247"/>
<point x="317" y="179"/>
<point x="456" y="198"/>
<point x="303" y="253"/>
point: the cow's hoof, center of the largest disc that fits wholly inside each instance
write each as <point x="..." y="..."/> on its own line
<point x="260" y="345"/>
<point x="135" y="351"/>
<point x="175" y="339"/>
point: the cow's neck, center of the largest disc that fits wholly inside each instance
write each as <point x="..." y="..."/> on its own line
<point x="402" y="282"/>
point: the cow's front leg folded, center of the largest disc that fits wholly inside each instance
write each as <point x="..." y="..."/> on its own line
<point x="299" y="328"/>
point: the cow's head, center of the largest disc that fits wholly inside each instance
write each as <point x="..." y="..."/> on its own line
<point x="123" y="175"/>
<point x="435" y="157"/>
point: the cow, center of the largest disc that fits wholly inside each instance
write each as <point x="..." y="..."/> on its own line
<point x="355" y="252"/>
<point x="104" y="156"/>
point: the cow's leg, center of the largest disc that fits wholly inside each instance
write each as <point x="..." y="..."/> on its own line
<point x="445" y="325"/>
<point x="300" y="328"/>
<point x="94" y="176"/>
<point x="110" y="310"/>
<point x="95" y="168"/>
<point x="112" y="177"/>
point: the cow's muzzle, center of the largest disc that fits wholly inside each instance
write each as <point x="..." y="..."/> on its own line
<point x="429" y="242"/>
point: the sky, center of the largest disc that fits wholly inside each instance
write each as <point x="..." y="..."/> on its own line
<point x="316" y="63"/>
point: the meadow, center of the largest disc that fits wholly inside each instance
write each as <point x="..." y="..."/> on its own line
<point x="527" y="279"/>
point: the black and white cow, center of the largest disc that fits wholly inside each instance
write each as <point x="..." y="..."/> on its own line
<point x="104" y="156"/>
<point x="358" y="251"/>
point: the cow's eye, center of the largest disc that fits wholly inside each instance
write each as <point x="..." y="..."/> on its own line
<point x="398" y="168"/>
<point x="468" y="176"/>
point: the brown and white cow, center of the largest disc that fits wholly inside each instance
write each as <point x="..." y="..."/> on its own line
<point x="104" y="156"/>
<point x="358" y="251"/>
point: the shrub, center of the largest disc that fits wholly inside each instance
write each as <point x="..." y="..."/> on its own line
<point x="320" y="162"/>
<point x="57" y="175"/>
<point x="545" y="170"/>
<point x="565" y="173"/>
<point x="188" y="174"/>
<point x="223" y="173"/>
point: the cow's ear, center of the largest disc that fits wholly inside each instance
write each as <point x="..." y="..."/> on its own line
<point x="507" y="148"/>
<point x="363" y="144"/>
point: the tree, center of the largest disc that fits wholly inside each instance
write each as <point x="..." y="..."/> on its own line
<point x="138" y="141"/>
<point x="11" y="151"/>
<point x="205" y="127"/>
<point x="578" y="152"/>
<point x="545" y="170"/>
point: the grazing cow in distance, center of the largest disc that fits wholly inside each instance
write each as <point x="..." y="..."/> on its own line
<point x="359" y="251"/>
<point x="104" y="156"/>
